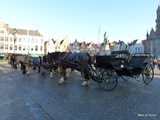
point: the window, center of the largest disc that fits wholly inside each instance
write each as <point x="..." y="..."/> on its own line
<point x="1" y="46"/>
<point x="20" y="39"/>
<point x="1" y="38"/>
<point x="41" y="40"/>
<point x="11" y="47"/>
<point x="1" y="31"/>
<point x="15" y="47"/>
<point x="20" y="47"/>
<point x="24" y="47"/>
<point x="36" y="48"/>
<point x="6" y="38"/>
<point x="36" y="41"/>
<point x="6" y="47"/>
<point x="32" y="48"/>
<point x="24" y="40"/>
<point x="41" y="48"/>
<point x="32" y="41"/>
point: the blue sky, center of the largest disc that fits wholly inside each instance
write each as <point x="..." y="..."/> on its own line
<point x="125" y="20"/>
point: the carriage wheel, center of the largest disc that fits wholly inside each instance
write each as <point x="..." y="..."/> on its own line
<point x="107" y="80"/>
<point x="148" y="74"/>
<point x="125" y="78"/>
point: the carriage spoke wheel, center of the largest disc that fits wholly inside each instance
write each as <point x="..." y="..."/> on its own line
<point x="107" y="80"/>
<point x="148" y="74"/>
<point x="125" y="78"/>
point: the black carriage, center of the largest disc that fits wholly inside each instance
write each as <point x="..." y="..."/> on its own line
<point x="108" y="68"/>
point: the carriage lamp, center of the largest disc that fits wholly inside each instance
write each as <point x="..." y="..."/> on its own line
<point x="122" y="64"/>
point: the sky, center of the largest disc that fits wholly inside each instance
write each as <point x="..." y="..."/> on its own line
<point x="84" y="20"/>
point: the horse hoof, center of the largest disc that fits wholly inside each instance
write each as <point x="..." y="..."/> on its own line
<point x="82" y="78"/>
<point x="68" y="76"/>
<point x="61" y="81"/>
<point x="51" y="76"/>
<point x="84" y="83"/>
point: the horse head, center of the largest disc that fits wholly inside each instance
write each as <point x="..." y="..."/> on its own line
<point x="5" y="57"/>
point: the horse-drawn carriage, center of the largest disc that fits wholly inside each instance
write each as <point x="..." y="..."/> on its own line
<point x="105" y="71"/>
<point x="108" y="68"/>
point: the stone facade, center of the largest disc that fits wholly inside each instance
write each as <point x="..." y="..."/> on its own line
<point x="153" y="38"/>
<point x="23" y="41"/>
<point x="136" y="47"/>
<point x="3" y="37"/>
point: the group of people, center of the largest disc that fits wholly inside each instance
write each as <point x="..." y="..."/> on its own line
<point x="156" y="63"/>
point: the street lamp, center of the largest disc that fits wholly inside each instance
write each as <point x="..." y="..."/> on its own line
<point x="15" y="37"/>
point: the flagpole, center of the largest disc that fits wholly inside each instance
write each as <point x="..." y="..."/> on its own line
<point x="98" y="34"/>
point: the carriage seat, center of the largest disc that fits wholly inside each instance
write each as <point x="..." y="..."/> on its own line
<point x="136" y="62"/>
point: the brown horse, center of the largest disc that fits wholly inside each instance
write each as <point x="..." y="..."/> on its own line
<point x="25" y="61"/>
<point x="78" y="61"/>
<point x="52" y="59"/>
<point x="10" y="58"/>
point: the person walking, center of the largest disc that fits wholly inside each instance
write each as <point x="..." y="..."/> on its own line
<point x="154" y="62"/>
<point x="158" y="64"/>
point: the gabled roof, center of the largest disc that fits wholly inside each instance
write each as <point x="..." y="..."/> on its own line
<point x="54" y="41"/>
<point x="133" y="43"/>
<point x="80" y="44"/>
<point x="144" y="42"/>
<point x="121" y="42"/>
<point x="61" y="41"/>
<point x="25" y="32"/>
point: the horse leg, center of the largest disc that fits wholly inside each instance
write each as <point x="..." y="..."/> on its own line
<point x="86" y="79"/>
<point x="28" y="69"/>
<point x="51" y="73"/>
<point x="23" y="69"/>
<point x="68" y="72"/>
<point x="39" y="69"/>
<point x="58" y="70"/>
<point x="15" y="65"/>
<point x="63" y="75"/>
<point x="43" y="71"/>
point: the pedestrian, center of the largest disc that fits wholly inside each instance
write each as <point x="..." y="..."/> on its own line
<point x="158" y="64"/>
<point x="154" y="62"/>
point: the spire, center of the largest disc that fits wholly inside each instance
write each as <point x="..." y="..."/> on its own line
<point x="147" y="34"/>
<point x="158" y="9"/>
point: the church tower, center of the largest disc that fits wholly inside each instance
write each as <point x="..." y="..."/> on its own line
<point x="158" y="23"/>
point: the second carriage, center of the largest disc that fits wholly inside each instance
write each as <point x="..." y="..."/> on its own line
<point x="108" y="68"/>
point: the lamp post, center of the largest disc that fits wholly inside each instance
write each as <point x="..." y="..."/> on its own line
<point x="15" y="37"/>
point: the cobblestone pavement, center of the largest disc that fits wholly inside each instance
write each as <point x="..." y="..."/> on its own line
<point x="38" y="97"/>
